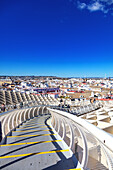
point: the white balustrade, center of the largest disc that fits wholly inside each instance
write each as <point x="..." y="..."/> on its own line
<point x="89" y="143"/>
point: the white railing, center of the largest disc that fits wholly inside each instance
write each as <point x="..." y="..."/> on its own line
<point x="12" y="119"/>
<point x="92" y="146"/>
<point x="80" y="110"/>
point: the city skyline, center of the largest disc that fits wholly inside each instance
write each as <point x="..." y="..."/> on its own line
<point x="64" y="38"/>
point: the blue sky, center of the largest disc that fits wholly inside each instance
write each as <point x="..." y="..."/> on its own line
<point x="59" y="38"/>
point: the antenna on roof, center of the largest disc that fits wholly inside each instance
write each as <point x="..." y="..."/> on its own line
<point x="105" y="75"/>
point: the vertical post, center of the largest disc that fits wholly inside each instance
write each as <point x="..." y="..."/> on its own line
<point x="0" y="132"/>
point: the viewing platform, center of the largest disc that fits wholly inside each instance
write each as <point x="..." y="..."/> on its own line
<point x="43" y="137"/>
<point x="35" y="144"/>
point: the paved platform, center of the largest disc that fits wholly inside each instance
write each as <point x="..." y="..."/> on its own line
<point x="34" y="145"/>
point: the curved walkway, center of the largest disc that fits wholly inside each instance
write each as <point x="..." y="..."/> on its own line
<point x="35" y="145"/>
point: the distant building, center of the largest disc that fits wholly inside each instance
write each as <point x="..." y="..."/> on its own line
<point x="7" y="81"/>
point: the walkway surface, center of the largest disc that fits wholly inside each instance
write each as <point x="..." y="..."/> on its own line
<point x="34" y="145"/>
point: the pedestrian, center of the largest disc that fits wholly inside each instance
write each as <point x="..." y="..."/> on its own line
<point x="3" y="108"/>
